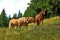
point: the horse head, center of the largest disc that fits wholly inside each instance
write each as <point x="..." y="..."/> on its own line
<point x="43" y="12"/>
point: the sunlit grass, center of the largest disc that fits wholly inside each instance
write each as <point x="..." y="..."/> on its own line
<point x="54" y="20"/>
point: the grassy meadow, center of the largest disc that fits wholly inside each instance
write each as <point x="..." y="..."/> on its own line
<point x="50" y="30"/>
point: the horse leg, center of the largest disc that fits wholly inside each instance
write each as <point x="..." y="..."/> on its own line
<point x="18" y="25"/>
<point x="42" y="22"/>
<point x="15" y="26"/>
<point x="38" y="22"/>
<point x="25" y="24"/>
<point x="10" y="25"/>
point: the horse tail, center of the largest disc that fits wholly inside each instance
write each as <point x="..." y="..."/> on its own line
<point x="9" y="25"/>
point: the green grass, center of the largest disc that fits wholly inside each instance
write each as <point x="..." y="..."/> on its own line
<point x="50" y="30"/>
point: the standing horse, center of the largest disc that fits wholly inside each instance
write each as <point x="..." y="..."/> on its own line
<point x="39" y="17"/>
<point x="12" y="22"/>
<point x="18" y="22"/>
<point x="23" y="20"/>
<point x="30" y="20"/>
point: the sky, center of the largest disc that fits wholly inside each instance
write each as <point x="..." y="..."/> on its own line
<point x="13" y="6"/>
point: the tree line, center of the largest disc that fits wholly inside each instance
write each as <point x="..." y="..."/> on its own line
<point x="52" y="8"/>
<point x="4" y="20"/>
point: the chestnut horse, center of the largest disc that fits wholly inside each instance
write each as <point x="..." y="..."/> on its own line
<point x="30" y="20"/>
<point x="24" y="21"/>
<point x="12" y="22"/>
<point x="40" y="17"/>
<point x="18" y="22"/>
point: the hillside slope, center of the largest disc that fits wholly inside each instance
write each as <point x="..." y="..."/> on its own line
<point x="50" y="30"/>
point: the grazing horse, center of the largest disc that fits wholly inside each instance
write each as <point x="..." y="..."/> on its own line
<point x="18" y="22"/>
<point x="12" y="22"/>
<point x="39" y="17"/>
<point x="31" y="20"/>
<point x="23" y="20"/>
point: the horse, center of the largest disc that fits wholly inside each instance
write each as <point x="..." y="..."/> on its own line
<point x="12" y="22"/>
<point x="24" y="21"/>
<point x="30" y="20"/>
<point x="40" y="17"/>
<point x="18" y="22"/>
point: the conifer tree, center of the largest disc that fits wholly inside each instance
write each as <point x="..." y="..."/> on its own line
<point x="15" y="16"/>
<point x="19" y="14"/>
<point x="3" y="19"/>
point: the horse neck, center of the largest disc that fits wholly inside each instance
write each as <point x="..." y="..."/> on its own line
<point x="41" y="14"/>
